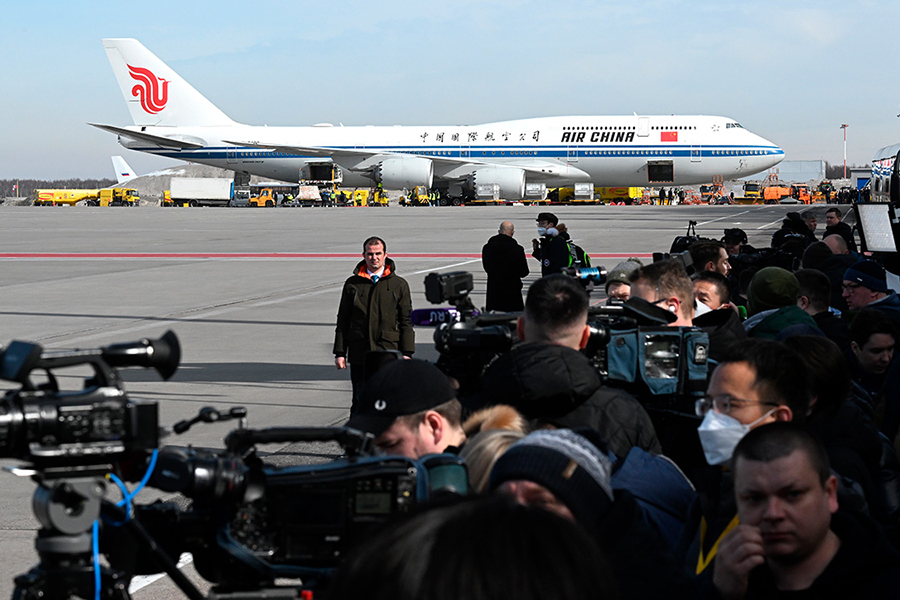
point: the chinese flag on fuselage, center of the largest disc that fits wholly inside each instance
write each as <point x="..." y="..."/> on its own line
<point x="669" y="136"/>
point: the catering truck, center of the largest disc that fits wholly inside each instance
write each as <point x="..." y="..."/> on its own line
<point x="199" y="191"/>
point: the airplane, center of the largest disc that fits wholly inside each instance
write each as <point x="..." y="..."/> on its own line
<point x="172" y="119"/>
<point x="124" y="173"/>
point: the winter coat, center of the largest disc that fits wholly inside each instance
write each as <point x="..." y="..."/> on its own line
<point x="724" y="329"/>
<point x="768" y="324"/>
<point x="504" y="262"/>
<point x="843" y="230"/>
<point x="553" y="253"/>
<point x="889" y="306"/>
<point x="374" y="316"/>
<point x="560" y="386"/>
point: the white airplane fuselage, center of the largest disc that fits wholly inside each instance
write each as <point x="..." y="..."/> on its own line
<point x="608" y="151"/>
<point x="173" y="119"/>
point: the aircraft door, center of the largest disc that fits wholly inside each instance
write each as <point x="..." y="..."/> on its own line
<point x="464" y="152"/>
<point x="572" y="154"/>
<point x="231" y="155"/>
<point x="643" y="129"/>
<point x="696" y="153"/>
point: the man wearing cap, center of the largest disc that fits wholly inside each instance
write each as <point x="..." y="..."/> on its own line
<point x="618" y="287"/>
<point x="504" y="262"/>
<point x="552" y="250"/>
<point x="411" y="409"/>
<point x="373" y="313"/>
<point x="865" y="286"/>
<point x="772" y="304"/>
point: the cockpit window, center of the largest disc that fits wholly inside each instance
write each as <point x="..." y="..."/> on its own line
<point x="733" y="125"/>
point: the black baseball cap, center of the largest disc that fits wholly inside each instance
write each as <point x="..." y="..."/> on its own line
<point x="549" y="217"/>
<point x="400" y="388"/>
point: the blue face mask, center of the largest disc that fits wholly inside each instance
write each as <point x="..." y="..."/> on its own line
<point x="720" y="434"/>
<point x="542" y="230"/>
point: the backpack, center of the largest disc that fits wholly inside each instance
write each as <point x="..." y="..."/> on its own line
<point x="577" y="256"/>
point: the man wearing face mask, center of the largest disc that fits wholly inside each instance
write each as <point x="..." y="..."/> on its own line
<point x="756" y="383"/>
<point x="551" y="250"/>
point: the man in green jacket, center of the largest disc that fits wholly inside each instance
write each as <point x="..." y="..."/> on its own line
<point x="373" y="314"/>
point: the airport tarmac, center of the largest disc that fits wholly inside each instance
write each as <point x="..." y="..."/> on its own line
<point x="252" y="295"/>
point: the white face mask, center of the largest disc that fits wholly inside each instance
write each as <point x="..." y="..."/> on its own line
<point x="542" y="231"/>
<point x="720" y="434"/>
<point x="701" y="309"/>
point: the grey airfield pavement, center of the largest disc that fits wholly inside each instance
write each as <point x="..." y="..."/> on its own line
<point x="256" y="326"/>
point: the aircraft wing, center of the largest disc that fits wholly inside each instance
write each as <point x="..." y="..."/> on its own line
<point x="159" y="140"/>
<point x="359" y="159"/>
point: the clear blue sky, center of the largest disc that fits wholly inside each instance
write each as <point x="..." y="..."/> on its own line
<point x="791" y="71"/>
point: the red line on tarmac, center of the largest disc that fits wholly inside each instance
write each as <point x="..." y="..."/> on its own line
<point x="281" y="255"/>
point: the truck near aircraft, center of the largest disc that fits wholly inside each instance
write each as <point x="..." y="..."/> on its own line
<point x="101" y="197"/>
<point x="199" y="191"/>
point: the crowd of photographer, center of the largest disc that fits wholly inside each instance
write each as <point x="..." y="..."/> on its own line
<point x="724" y="425"/>
<point x="734" y="437"/>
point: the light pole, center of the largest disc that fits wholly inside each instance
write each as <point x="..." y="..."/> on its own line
<point x="844" y="126"/>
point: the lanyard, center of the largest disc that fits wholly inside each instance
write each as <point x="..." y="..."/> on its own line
<point x="703" y="562"/>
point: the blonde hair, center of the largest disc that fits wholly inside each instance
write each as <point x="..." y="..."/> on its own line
<point x="483" y="450"/>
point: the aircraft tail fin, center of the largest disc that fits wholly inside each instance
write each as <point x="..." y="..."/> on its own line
<point x="123" y="171"/>
<point x="156" y="95"/>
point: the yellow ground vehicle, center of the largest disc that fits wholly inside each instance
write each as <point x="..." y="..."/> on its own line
<point x="418" y="196"/>
<point x="266" y="198"/>
<point x="752" y="190"/>
<point x="104" y="197"/>
<point x="619" y="195"/>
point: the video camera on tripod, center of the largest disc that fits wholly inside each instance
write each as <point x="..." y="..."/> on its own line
<point x="247" y="525"/>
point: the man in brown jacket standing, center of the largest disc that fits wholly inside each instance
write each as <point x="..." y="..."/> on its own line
<point x="373" y="314"/>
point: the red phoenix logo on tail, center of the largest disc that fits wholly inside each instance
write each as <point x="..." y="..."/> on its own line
<point x="153" y="96"/>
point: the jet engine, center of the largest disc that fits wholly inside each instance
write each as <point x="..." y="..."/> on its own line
<point x="511" y="181"/>
<point x="399" y="173"/>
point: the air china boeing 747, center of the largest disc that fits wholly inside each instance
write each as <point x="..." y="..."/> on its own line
<point x="173" y="119"/>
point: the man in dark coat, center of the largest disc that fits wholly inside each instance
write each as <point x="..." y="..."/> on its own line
<point x="834" y="225"/>
<point x="504" y="262"/>
<point x="549" y="380"/>
<point x="373" y="314"/>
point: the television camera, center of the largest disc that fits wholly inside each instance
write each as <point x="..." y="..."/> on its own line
<point x="249" y="525"/>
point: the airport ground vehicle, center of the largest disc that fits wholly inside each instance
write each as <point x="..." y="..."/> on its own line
<point x="418" y="196"/>
<point x="773" y="194"/>
<point x="800" y="191"/>
<point x="199" y="191"/>
<point x="103" y="197"/>
<point x="752" y="190"/>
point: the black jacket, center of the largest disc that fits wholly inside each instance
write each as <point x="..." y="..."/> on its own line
<point x="504" y="262"/>
<point x="843" y="230"/>
<point x="561" y="386"/>
<point x="553" y="252"/>
<point x="724" y="328"/>
<point x="374" y="316"/>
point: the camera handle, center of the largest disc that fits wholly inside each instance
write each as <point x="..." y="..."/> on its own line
<point x="67" y="509"/>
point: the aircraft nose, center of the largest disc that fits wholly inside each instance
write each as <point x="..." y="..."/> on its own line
<point x="772" y="154"/>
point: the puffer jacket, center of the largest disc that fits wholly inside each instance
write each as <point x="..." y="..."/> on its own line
<point x="560" y="386"/>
